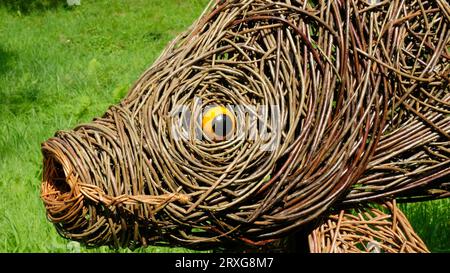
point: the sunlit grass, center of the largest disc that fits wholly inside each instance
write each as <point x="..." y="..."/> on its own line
<point x="65" y="66"/>
<point x="59" y="68"/>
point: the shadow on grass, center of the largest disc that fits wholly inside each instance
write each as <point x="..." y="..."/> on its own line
<point x="22" y="97"/>
<point x="5" y="60"/>
<point x="27" y="6"/>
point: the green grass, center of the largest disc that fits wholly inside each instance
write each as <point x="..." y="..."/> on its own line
<point x="59" y="68"/>
<point x="65" y="66"/>
<point x="431" y="221"/>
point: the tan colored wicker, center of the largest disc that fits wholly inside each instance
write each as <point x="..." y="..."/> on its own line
<point x="353" y="97"/>
<point x="375" y="230"/>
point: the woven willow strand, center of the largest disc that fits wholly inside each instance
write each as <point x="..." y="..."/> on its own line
<point x="366" y="230"/>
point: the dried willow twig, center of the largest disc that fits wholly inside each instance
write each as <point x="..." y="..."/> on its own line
<point x="366" y="230"/>
<point x="362" y="93"/>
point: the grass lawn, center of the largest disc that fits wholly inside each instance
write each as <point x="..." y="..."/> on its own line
<point x="64" y="66"/>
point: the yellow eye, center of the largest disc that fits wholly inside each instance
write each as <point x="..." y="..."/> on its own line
<point x="218" y="123"/>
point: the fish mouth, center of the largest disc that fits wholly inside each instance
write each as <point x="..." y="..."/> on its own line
<point x="81" y="209"/>
<point x="56" y="171"/>
<point x="63" y="193"/>
<point x="59" y="190"/>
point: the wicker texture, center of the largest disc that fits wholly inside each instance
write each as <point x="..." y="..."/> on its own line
<point x="375" y="230"/>
<point x="362" y="95"/>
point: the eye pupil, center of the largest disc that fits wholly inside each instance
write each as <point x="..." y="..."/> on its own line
<point x="222" y="125"/>
<point x="218" y="123"/>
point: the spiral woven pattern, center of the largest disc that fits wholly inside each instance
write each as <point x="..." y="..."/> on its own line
<point x="352" y="97"/>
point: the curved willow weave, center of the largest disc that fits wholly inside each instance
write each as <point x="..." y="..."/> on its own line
<point x="357" y="101"/>
<point x="366" y="230"/>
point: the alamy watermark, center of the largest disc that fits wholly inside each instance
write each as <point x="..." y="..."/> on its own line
<point x="256" y="123"/>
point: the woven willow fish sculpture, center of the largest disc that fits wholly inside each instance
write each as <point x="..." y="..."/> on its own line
<point x="264" y="118"/>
